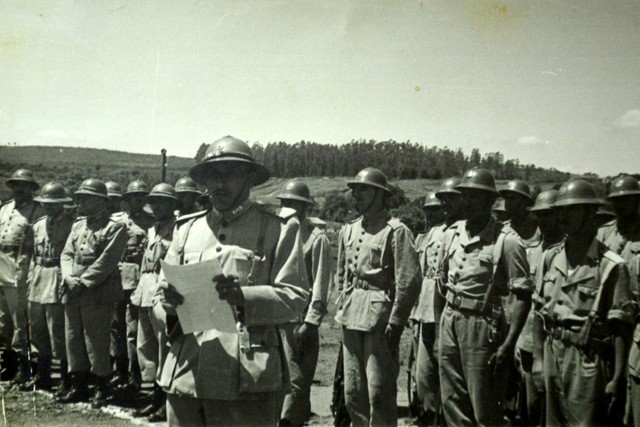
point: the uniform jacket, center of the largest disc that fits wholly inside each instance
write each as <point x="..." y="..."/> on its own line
<point x="137" y="233"/>
<point x="319" y="267"/>
<point x="237" y="366"/>
<point x="92" y="252"/>
<point x="378" y="273"/>
<point x="157" y="244"/>
<point x="14" y="223"/>
<point x="43" y="245"/>
<point x="428" y="247"/>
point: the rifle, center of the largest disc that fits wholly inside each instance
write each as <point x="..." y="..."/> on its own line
<point x="163" y="166"/>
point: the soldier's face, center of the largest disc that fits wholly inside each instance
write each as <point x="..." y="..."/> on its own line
<point x="452" y="205"/>
<point x="364" y="196"/>
<point x="434" y="215"/>
<point x="514" y="204"/>
<point x="626" y="206"/>
<point x="187" y="200"/>
<point x="576" y="218"/>
<point x="549" y="222"/>
<point x="136" y="202"/>
<point x="20" y="190"/>
<point x="161" y="208"/>
<point x="229" y="185"/>
<point x="90" y="205"/>
<point x="297" y="205"/>
<point x="52" y="209"/>
<point x="477" y="203"/>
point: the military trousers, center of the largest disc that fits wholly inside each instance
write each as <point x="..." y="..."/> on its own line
<point x="471" y="392"/>
<point x="574" y="384"/>
<point x="531" y="404"/>
<point x="633" y="399"/>
<point x="87" y="338"/>
<point x="189" y="411"/>
<point x="303" y="359"/>
<point x="370" y="378"/>
<point x="152" y="342"/>
<point x="13" y="320"/>
<point x="124" y="331"/>
<point x="46" y="328"/>
<point x="427" y="375"/>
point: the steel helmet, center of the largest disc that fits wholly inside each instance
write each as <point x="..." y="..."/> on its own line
<point x="53" y="192"/>
<point x="624" y="186"/>
<point x="370" y="176"/>
<point x="448" y="186"/>
<point x="163" y="190"/>
<point x="187" y="185"/>
<point x="605" y="210"/>
<point x="577" y="192"/>
<point x="93" y="187"/>
<point x="228" y="149"/>
<point x="478" y="179"/>
<point x="113" y="189"/>
<point x="517" y="186"/>
<point x="545" y="200"/>
<point x="136" y="186"/>
<point x="498" y="205"/>
<point x="295" y="190"/>
<point x="431" y="201"/>
<point x="23" y="175"/>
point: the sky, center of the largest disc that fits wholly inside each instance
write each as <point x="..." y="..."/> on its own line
<point x="554" y="83"/>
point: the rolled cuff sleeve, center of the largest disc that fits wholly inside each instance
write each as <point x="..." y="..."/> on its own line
<point x="522" y="284"/>
<point x="620" y="315"/>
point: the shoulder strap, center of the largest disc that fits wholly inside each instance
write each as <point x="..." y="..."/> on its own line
<point x="183" y="238"/>
<point x="261" y="236"/>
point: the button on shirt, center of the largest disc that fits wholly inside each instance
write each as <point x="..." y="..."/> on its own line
<point x="428" y="248"/>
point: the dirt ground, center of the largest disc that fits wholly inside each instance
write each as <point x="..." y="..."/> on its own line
<point x="38" y="408"/>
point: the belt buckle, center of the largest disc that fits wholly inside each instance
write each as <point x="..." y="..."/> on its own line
<point x="457" y="301"/>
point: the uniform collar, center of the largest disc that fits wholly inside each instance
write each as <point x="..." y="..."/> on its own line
<point x="233" y="213"/>
<point x="562" y="264"/>
<point x="376" y="218"/>
<point x="487" y="234"/>
<point x="99" y="217"/>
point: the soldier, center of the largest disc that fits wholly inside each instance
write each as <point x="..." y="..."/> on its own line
<point x="15" y="217"/>
<point x="517" y="200"/>
<point x="481" y="261"/>
<point x="378" y="278"/>
<point x="428" y="246"/>
<point x="89" y="263"/>
<point x="114" y="191"/>
<point x="152" y="338"/>
<point x="228" y="378"/>
<point x="584" y="313"/>
<point x="498" y="210"/>
<point x="43" y="245"/>
<point x="301" y="338"/>
<point x="188" y="194"/>
<point x="124" y="328"/>
<point x="622" y="236"/>
<point x="532" y="400"/>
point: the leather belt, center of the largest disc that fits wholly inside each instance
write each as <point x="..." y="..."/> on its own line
<point x="10" y="249"/>
<point x="47" y="262"/>
<point x="462" y="303"/>
<point x="363" y="284"/>
<point x="85" y="260"/>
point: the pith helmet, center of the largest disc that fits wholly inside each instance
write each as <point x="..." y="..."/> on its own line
<point x="187" y="185"/>
<point x="228" y="149"/>
<point x="478" y="179"/>
<point x="431" y="201"/>
<point x="518" y="187"/>
<point x="23" y="175"/>
<point x="370" y="176"/>
<point x="137" y="186"/>
<point x="93" y="187"/>
<point x="577" y="192"/>
<point x="624" y="186"/>
<point x="113" y="189"/>
<point x="545" y="201"/>
<point x="163" y="190"/>
<point x="295" y="190"/>
<point x="448" y="187"/>
<point x="53" y="192"/>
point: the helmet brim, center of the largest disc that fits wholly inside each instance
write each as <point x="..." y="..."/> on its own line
<point x="162" y="196"/>
<point x="40" y="199"/>
<point x="623" y="193"/>
<point x="34" y="184"/>
<point x="289" y="196"/>
<point x="576" y="201"/>
<point x="541" y="207"/>
<point x="520" y="193"/>
<point x="199" y="171"/>
<point x="91" y="193"/>
<point x="441" y="193"/>
<point x="351" y="184"/>
<point x="472" y="186"/>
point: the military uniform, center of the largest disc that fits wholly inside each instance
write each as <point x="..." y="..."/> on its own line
<point x="428" y="383"/>
<point x="578" y="308"/>
<point x="152" y="343"/>
<point x="214" y="377"/>
<point x="45" y="242"/>
<point x="92" y="252"/>
<point x="14" y="223"/>
<point x="303" y="356"/>
<point x="378" y="277"/>
<point x="484" y="267"/>
<point x="124" y="328"/>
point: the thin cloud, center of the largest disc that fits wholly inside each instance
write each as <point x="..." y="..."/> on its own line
<point x="531" y="140"/>
<point x="630" y="119"/>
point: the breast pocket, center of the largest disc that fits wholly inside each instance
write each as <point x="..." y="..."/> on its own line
<point x="483" y="264"/>
<point x="192" y="257"/>
<point x="375" y="254"/>
<point x="585" y="296"/>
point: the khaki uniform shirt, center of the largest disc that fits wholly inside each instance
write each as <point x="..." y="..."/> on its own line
<point x="428" y="246"/>
<point x="137" y="233"/>
<point x="43" y="245"/>
<point x="319" y="266"/>
<point x="568" y="297"/>
<point x="468" y="264"/>
<point x="14" y="223"/>
<point x="378" y="273"/>
<point x="157" y="245"/>
<point x="239" y="366"/>
<point x="92" y="252"/>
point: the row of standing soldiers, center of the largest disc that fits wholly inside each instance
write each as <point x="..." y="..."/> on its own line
<point x="468" y="284"/>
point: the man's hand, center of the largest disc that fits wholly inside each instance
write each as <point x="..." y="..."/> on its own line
<point x="170" y="299"/>
<point x="611" y="391"/>
<point x="392" y="334"/>
<point x="74" y="286"/>
<point x="498" y="359"/>
<point x="537" y="374"/>
<point x="228" y="288"/>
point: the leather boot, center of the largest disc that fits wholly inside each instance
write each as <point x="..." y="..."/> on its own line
<point x="8" y="364"/>
<point x="101" y="393"/>
<point x="160" y="415"/>
<point x="23" y="375"/>
<point x="65" y="380"/>
<point x="79" y="389"/>
<point x="158" y="399"/>
<point x="42" y="378"/>
<point x="121" y="377"/>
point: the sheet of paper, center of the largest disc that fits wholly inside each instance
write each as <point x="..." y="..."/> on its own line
<point x="202" y="309"/>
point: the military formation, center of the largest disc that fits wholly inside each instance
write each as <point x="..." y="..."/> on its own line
<point x="523" y="307"/>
